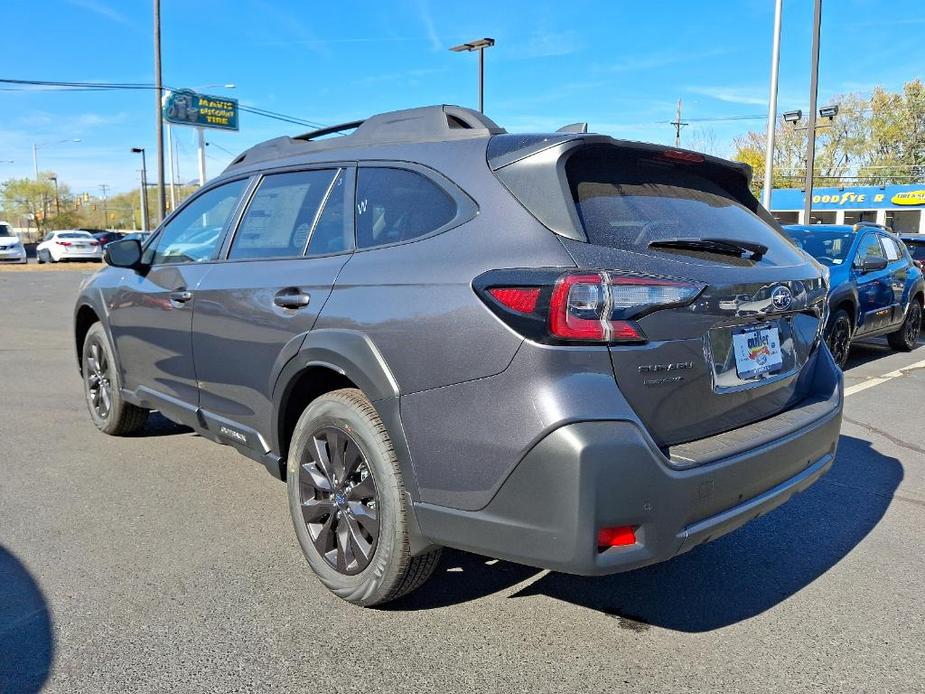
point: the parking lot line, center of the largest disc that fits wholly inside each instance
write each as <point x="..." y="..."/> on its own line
<point x="877" y="380"/>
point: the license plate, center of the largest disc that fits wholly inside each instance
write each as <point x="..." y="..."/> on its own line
<point x="757" y="352"/>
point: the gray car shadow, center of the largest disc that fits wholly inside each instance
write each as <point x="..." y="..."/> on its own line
<point x="715" y="585"/>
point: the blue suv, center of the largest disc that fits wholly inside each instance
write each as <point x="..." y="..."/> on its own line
<point x="875" y="287"/>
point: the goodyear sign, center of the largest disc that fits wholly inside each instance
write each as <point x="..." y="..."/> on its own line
<point x="186" y="107"/>
<point x="851" y="198"/>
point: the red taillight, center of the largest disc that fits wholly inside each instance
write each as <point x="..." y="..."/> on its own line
<point x="548" y="305"/>
<point x="621" y="536"/>
<point x="520" y="299"/>
<point x="94" y="243"/>
<point x="600" y="307"/>
<point x="63" y="243"/>
<point x="574" y="299"/>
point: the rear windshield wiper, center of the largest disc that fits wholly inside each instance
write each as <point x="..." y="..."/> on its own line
<point x="724" y="246"/>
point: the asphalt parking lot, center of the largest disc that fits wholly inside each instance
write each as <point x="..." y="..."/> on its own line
<point x="168" y="563"/>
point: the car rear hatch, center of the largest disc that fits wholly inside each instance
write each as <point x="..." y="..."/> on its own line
<point x="736" y="310"/>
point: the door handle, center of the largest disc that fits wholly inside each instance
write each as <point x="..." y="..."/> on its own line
<point x="288" y="298"/>
<point x="181" y="296"/>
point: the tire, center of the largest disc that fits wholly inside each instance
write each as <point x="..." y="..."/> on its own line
<point x="838" y="337"/>
<point x="348" y="508"/>
<point x="40" y="256"/>
<point x="907" y="336"/>
<point x="50" y="258"/>
<point x="109" y="411"/>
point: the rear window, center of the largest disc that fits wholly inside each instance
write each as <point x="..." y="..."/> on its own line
<point x="627" y="201"/>
<point x="75" y="235"/>
<point x="916" y="248"/>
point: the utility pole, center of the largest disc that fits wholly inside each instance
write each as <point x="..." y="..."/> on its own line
<point x="144" y="188"/>
<point x="201" y="135"/>
<point x="57" y="200"/>
<point x="678" y="124"/>
<point x="811" y="128"/>
<point x="772" y="109"/>
<point x="104" y="189"/>
<point x="158" y="93"/>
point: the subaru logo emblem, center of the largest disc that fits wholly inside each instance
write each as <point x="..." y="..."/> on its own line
<point x="781" y="298"/>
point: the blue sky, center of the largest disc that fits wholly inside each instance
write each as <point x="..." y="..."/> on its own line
<point x="620" y="65"/>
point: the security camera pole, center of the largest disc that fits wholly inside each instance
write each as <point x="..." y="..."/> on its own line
<point x="811" y="127"/>
<point x="478" y="45"/>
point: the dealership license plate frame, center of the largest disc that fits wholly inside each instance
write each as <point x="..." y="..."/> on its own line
<point x="769" y="363"/>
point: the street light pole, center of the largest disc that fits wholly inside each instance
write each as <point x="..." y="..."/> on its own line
<point x="811" y="128"/>
<point x="772" y="109"/>
<point x="478" y="45"/>
<point x="158" y="92"/>
<point x="35" y="148"/>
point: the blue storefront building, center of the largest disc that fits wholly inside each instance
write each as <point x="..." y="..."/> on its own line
<point x="900" y="207"/>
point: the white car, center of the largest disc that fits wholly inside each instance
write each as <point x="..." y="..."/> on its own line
<point x="68" y="244"/>
<point x="11" y="248"/>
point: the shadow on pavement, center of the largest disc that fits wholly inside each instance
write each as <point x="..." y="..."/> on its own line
<point x="26" y="641"/>
<point x="866" y="351"/>
<point x="726" y="581"/>
<point x="159" y="425"/>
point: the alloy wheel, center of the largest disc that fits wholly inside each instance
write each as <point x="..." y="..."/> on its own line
<point x="339" y="500"/>
<point x="913" y="324"/>
<point x="99" y="381"/>
<point x="839" y="342"/>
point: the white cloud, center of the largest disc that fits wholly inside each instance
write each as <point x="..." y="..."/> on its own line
<point x="733" y="95"/>
<point x="429" y="26"/>
<point x="102" y="10"/>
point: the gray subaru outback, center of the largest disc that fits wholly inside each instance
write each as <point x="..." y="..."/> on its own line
<point x="565" y="350"/>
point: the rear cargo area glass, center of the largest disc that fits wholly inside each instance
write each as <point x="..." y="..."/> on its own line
<point x="627" y="200"/>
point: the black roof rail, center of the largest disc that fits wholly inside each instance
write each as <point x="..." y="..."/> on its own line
<point x="425" y="124"/>
<point x="329" y="130"/>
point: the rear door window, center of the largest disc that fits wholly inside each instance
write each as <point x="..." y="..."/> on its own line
<point x="281" y="215"/>
<point x="334" y="229"/>
<point x="892" y="250"/>
<point x="394" y="205"/>
<point x="627" y="200"/>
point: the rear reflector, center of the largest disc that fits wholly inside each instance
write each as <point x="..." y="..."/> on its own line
<point x="520" y="299"/>
<point x="616" y="537"/>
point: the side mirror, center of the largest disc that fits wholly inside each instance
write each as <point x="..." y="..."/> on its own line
<point x="123" y="253"/>
<point x="873" y="264"/>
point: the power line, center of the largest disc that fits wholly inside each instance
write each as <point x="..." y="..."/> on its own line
<point x="111" y="86"/>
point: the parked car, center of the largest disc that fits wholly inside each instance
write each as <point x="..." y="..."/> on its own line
<point x="11" y="248"/>
<point x="140" y="236"/>
<point x="875" y="287"/>
<point x="564" y="350"/>
<point x="915" y="243"/>
<point x="104" y="237"/>
<point x="68" y="244"/>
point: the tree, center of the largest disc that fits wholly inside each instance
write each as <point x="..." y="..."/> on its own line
<point x="875" y="141"/>
<point x="896" y="151"/>
<point x="24" y="197"/>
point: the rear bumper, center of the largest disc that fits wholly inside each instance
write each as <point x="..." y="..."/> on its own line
<point x="589" y="475"/>
<point x="13" y="257"/>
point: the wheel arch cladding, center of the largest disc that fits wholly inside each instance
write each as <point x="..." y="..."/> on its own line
<point x="330" y="359"/>
<point x="84" y="319"/>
